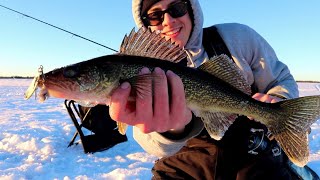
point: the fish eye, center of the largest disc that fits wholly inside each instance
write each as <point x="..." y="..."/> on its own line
<point x="71" y="71"/>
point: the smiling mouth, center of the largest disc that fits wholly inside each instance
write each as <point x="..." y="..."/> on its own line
<point x="173" y="32"/>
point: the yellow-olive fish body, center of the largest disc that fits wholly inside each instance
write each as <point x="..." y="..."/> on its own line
<point x="215" y="91"/>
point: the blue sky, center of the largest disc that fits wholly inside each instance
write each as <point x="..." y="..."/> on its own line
<point x="290" y="26"/>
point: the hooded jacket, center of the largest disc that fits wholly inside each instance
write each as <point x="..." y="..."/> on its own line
<point x="250" y="52"/>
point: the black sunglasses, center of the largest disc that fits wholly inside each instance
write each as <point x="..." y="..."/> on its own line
<point x="175" y="10"/>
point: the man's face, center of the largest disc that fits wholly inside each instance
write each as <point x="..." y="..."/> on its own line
<point x="177" y="29"/>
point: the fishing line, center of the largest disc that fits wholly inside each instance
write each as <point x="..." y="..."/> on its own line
<point x="58" y="28"/>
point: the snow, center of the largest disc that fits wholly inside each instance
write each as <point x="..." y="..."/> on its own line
<point x="34" y="138"/>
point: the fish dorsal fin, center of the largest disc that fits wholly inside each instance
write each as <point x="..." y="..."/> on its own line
<point x="150" y="44"/>
<point x="225" y="69"/>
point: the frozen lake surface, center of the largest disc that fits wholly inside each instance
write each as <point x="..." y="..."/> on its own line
<point x="34" y="138"/>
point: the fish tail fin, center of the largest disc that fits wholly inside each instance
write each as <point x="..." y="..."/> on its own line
<point x="291" y="126"/>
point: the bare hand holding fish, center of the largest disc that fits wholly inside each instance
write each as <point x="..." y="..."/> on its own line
<point x="154" y="112"/>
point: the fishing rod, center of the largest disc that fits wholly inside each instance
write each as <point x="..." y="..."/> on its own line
<point x="58" y="28"/>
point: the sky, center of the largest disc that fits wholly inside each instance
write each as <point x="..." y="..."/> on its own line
<point x="290" y="26"/>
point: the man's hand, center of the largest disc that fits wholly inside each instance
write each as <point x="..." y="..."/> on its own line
<point x="157" y="111"/>
<point x="266" y="98"/>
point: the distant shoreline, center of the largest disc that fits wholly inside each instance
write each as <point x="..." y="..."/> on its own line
<point x="16" y="77"/>
<point x="308" y="81"/>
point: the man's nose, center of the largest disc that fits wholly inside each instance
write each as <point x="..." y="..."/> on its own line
<point x="168" y="19"/>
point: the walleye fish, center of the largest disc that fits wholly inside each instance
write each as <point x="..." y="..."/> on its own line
<point x="216" y="91"/>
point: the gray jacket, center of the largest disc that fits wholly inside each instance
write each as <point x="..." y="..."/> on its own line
<point x="250" y="52"/>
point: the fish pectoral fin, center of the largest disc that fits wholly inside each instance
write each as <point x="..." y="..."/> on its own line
<point x="295" y="145"/>
<point x="217" y="123"/>
<point x="142" y="84"/>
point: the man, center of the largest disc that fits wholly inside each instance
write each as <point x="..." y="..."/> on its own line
<point x="164" y="125"/>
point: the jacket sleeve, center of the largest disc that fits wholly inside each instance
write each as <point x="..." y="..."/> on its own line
<point x="257" y="59"/>
<point x="161" y="146"/>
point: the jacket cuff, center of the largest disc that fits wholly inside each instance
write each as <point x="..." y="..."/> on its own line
<point x="191" y="130"/>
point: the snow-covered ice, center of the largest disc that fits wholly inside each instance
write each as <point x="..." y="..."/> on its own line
<point x="34" y="138"/>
